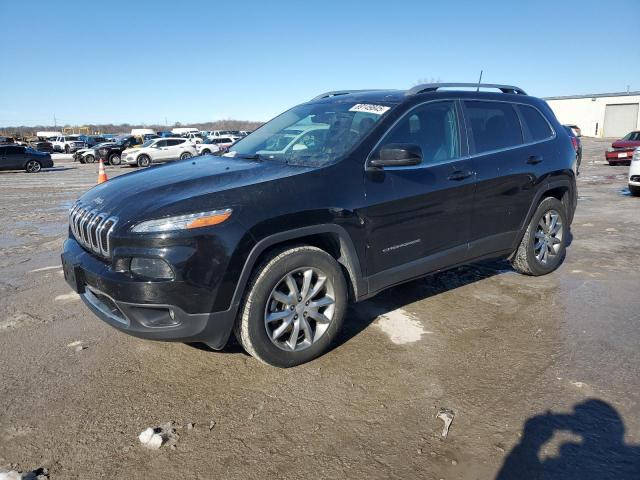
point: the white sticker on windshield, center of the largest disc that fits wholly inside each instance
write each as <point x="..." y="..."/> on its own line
<point x="368" y="108"/>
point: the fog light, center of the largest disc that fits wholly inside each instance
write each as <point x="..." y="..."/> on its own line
<point x="152" y="268"/>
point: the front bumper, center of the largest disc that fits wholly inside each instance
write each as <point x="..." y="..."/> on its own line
<point x="111" y="296"/>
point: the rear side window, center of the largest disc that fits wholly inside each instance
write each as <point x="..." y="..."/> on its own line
<point x="535" y="126"/>
<point x="14" y="150"/>
<point x="494" y="125"/>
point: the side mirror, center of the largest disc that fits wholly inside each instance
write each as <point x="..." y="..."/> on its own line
<point x="397" y="155"/>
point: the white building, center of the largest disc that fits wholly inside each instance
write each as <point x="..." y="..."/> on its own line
<point x="601" y="114"/>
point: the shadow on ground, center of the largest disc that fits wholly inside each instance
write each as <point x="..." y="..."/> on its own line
<point x="601" y="453"/>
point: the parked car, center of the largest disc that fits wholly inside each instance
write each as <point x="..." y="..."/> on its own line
<point x="6" y="140"/>
<point x="18" y="157"/>
<point x="40" y="145"/>
<point x="621" y="150"/>
<point x="159" y="150"/>
<point x="89" y="155"/>
<point x="194" y="137"/>
<point x="208" y="147"/>
<point x="404" y="183"/>
<point x="575" y="129"/>
<point x="165" y="134"/>
<point x="92" y="140"/>
<point x="634" y="174"/>
<point x="577" y="144"/>
<point x="66" y="143"/>
<point x="223" y="143"/>
<point x="111" y="153"/>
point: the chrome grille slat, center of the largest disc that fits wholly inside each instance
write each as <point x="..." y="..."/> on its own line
<point x="92" y="229"/>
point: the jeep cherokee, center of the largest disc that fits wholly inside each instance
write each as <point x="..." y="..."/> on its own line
<point x="332" y="201"/>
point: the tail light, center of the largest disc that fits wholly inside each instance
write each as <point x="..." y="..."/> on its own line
<point x="574" y="142"/>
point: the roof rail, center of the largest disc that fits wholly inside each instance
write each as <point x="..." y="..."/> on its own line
<point x="335" y="93"/>
<point x="432" y="87"/>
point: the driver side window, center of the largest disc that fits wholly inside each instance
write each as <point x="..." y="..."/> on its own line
<point x="433" y="127"/>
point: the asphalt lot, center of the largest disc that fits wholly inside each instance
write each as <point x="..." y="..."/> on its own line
<point x="559" y="352"/>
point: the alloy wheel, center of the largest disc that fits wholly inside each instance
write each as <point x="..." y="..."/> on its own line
<point x="33" y="166"/>
<point x="300" y="309"/>
<point x="548" y="237"/>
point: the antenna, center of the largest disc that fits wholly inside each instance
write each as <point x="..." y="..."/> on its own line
<point x="479" y="82"/>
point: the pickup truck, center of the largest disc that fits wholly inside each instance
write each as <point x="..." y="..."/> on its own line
<point x="66" y="144"/>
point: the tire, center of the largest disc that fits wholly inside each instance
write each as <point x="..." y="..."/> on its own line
<point x="635" y="190"/>
<point x="89" y="159"/>
<point x="205" y="152"/>
<point x="185" y="155"/>
<point x="33" y="166"/>
<point x="143" y="161"/>
<point x="530" y="260"/>
<point x="66" y="149"/>
<point x="269" y="278"/>
<point x="115" y="159"/>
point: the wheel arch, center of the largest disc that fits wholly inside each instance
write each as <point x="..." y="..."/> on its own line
<point x="331" y="238"/>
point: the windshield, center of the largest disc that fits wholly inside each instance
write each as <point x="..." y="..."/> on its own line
<point x="311" y="134"/>
<point x="633" y="136"/>
<point x="148" y="143"/>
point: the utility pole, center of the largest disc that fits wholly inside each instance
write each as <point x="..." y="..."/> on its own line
<point x="55" y="123"/>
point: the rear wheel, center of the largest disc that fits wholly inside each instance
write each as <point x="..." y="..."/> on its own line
<point x="293" y="308"/>
<point x="143" y="161"/>
<point x="89" y="159"/>
<point x="635" y="190"/>
<point x="115" y="159"/>
<point x="66" y="149"/>
<point x="185" y="155"/>
<point x="33" y="166"/>
<point x="205" y="152"/>
<point x="543" y="246"/>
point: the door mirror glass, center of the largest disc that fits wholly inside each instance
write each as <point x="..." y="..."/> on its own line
<point x="397" y="155"/>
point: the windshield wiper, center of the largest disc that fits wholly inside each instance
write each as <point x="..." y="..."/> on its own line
<point x="255" y="156"/>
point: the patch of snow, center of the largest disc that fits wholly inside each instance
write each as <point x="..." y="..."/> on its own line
<point x="67" y="296"/>
<point x="44" y="269"/>
<point x="400" y="327"/>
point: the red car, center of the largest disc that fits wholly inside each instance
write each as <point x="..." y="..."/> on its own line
<point x="621" y="150"/>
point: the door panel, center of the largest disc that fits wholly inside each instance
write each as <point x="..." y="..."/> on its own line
<point x="416" y="212"/>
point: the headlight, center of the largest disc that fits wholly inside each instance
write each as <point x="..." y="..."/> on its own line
<point x="636" y="155"/>
<point x="154" y="268"/>
<point x="183" y="222"/>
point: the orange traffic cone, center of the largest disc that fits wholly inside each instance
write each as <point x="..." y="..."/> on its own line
<point x="102" y="177"/>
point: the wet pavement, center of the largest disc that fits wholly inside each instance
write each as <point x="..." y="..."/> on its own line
<point x="541" y="374"/>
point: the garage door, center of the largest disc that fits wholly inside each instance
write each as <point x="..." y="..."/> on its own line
<point x="620" y="119"/>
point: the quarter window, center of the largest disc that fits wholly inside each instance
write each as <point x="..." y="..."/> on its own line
<point x="536" y="128"/>
<point x="434" y="127"/>
<point x="494" y="125"/>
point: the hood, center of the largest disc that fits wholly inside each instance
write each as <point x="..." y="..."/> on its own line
<point x="170" y="189"/>
<point x="625" y="144"/>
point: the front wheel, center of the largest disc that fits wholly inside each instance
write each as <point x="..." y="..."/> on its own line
<point x="89" y="159"/>
<point x="293" y="308"/>
<point x="33" y="166"/>
<point x="66" y="149"/>
<point x="185" y="155"/>
<point x="543" y="246"/>
<point x="115" y="159"/>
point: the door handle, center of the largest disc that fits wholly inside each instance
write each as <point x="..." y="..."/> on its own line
<point x="459" y="175"/>
<point x="534" y="159"/>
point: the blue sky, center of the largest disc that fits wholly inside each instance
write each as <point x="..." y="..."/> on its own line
<point x="144" y="62"/>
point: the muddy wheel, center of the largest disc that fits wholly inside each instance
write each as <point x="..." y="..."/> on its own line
<point x="33" y="166"/>
<point x="115" y="159"/>
<point x="543" y="245"/>
<point x="143" y="161"/>
<point x="635" y="190"/>
<point x="89" y="159"/>
<point x="293" y="308"/>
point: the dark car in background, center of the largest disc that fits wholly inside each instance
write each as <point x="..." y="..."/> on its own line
<point x="621" y="151"/>
<point x="577" y="144"/>
<point x="4" y="140"/>
<point x="112" y="153"/>
<point x="374" y="188"/>
<point x="18" y="157"/>
<point x="92" y="140"/>
<point x="40" y="145"/>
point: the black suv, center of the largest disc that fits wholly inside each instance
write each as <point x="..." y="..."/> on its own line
<point x="330" y="202"/>
<point x="112" y="153"/>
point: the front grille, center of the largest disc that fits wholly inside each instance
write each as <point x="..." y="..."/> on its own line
<point x="92" y="229"/>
